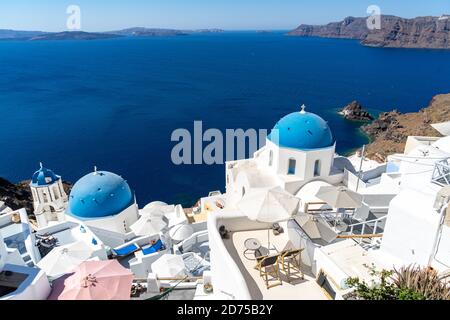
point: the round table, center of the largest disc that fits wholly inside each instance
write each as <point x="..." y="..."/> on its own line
<point x="252" y="244"/>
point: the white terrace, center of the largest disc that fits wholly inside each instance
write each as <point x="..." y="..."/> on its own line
<point x="233" y="271"/>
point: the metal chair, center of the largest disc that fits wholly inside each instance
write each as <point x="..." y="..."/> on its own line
<point x="268" y="265"/>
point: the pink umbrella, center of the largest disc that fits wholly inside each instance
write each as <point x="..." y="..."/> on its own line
<point x="94" y="280"/>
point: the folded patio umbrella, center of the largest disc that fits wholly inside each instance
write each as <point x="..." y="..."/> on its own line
<point x="339" y="197"/>
<point x="316" y="228"/>
<point x="61" y="260"/>
<point x="169" y="265"/>
<point x="148" y="225"/>
<point x="94" y="280"/>
<point x="268" y="204"/>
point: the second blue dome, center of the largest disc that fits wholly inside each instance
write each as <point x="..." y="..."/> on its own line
<point x="100" y="194"/>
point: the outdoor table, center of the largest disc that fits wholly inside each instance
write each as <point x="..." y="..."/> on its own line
<point x="252" y="244"/>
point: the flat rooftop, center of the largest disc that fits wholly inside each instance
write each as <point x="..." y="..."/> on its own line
<point x="293" y="287"/>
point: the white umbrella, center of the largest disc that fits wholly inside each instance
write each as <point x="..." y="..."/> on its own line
<point x="176" y="216"/>
<point x="181" y="232"/>
<point x="268" y="205"/>
<point x="339" y="197"/>
<point x="148" y="225"/>
<point x="169" y="266"/>
<point x="154" y="212"/>
<point x="154" y="204"/>
<point x="157" y="210"/>
<point x="61" y="260"/>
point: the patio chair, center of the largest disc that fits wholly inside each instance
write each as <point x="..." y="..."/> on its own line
<point x="268" y="265"/>
<point x="291" y="259"/>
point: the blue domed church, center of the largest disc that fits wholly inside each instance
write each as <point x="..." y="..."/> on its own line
<point x="301" y="145"/>
<point x="299" y="149"/>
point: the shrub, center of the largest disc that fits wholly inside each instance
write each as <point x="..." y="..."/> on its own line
<point x="423" y="281"/>
<point x="407" y="283"/>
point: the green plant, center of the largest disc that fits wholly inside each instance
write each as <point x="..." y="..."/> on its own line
<point x="423" y="281"/>
<point x="383" y="289"/>
<point x="406" y="283"/>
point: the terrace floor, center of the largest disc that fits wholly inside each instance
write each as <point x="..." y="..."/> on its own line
<point x="293" y="287"/>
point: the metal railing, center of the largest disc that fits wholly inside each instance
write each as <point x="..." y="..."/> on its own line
<point x="441" y="173"/>
<point x="362" y="234"/>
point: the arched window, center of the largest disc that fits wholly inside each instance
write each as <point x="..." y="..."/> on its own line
<point x="317" y="168"/>
<point x="270" y="158"/>
<point x="291" y="166"/>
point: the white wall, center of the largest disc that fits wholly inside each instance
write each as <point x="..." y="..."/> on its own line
<point x="305" y="160"/>
<point x="442" y="257"/>
<point x="225" y="274"/>
<point x="411" y="228"/>
<point x="35" y="288"/>
<point x="116" y="223"/>
<point x="3" y="252"/>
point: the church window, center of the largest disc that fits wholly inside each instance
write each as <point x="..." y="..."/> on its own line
<point x="291" y="166"/>
<point x="317" y="168"/>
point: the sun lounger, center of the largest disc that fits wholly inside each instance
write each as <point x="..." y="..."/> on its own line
<point x="153" y="248"/>
<point x="126" y="251"/>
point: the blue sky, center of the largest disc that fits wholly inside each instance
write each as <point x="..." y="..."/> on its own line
<point x="102" y="15"/>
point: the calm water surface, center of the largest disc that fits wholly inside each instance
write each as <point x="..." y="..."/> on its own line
<point x="114" y="103"/>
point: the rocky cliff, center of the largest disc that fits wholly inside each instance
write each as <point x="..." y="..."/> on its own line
<point x="421" y="32"/>
<point x="391" y="129"/>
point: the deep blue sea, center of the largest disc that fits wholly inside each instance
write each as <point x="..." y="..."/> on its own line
<point x="114" y="103"/>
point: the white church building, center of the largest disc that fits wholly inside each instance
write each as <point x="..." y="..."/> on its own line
<point x="49" y="197"/>
<point x="299" y="149"/>
<point x="103" y="200"/>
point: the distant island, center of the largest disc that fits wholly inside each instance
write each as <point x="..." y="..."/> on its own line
<point x="7" y="34"/>
<point x="421" y="32"/>
<point x="73" y="35"/>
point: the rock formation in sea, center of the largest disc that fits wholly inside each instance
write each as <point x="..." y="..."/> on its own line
<point x="355" y="111"/>
<point x="391" y="129"/>
<point x="395" y="32"/>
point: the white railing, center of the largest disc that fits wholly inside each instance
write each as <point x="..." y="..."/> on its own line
<point x="441" y="173"/>
<point x="362" y="234"/>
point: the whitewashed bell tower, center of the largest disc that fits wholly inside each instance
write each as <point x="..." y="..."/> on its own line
<point x="49" y="197"/>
